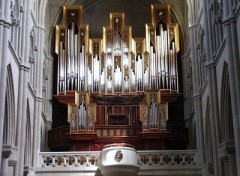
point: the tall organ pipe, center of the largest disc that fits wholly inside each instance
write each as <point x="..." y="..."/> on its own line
<point x="75" y="59"/>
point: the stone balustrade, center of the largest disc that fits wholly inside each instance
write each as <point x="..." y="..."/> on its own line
<point x="68" y="159"/>
<point x="145" y="158"/>
<point x="150" y="162"/>
<point x="168" y="158"/>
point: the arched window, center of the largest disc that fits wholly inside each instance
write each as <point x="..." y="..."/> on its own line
<point x="208" y="150"/>
<point x="226" y="119"/>
<point x="28" y="140"/>
<point x="9" y="133"/>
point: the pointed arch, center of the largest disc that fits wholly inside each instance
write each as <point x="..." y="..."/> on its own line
<point x="226" y="120"/>
<point x="9" y="127"/>
<point x="208" y="148"/>
<point x="28" y="139"/>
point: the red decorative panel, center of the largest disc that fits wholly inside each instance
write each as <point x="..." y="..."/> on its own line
<point x="109" y="109"/>
<point x="126" y="109"/>
<point x="117" y="119"/>
<point x="134" y="114"/>
<point x="98" y="114"/>
<point x="102" y="115"/>
<point x="138" y="113"/>
<point x="117" y="109"/>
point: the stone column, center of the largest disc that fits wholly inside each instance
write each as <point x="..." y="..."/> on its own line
<point x="233" y="65"/>
<point x="234" y="38"/>
<point x="6" y="153"/>
<point x="36" y="131"/>
<point x="196" y="91"/>
<point x="212" y="87"/>
<point x="21" y="126"/>
<point x="4" y="56"/>
<point x="227" y="153"/>
<point x="187" y="109"/>
<point x="22" y="87"/>
<point x="38" y="99"/>
<point x="4" y="167"/>
<point x="232" y="164"/>
<point x="49" y="87"/>
<point x="49" y="93"/>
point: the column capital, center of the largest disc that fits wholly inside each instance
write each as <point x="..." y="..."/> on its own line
<point x="7" y="151"/>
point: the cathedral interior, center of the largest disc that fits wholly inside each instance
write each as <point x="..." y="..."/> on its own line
<point x="110" y="88"/>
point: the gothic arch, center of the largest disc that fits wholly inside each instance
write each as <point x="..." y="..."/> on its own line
<point x="9" y="129"/>
<point x="226" y="121"/>
<point x="208" y="148"/>
<point x="28" y="139"/>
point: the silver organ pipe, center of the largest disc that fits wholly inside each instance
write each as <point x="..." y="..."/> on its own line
<point x="173" y="67"/>
<point x="117" y="79"/>
<point x="68" y="66"/>
<point x="59" y="89"/>
<point x="63" y="70"/>
<point x="153" y="114"/>
<point x="145" y="76"/>
<point x="82" y="115"/>
<point x="69" y="59"/>
<point x="166" y="57"/>
<point x="89" y="77"/>
<point x="158" y="42"/>
<point x="170" y="67"/>
<point x="83" y="68"/>
<point x="152" y="68"/>
<point x="96" y="73"/>
<point x="78" y="70"/>
<point x="72" y="61"/>
<point x="139" y="72"/>
<point x="109" y="72"/>
<point x="75" y="60"/>
<point x="176" y="67"/>
<point x="117" y="61"/>
<point x="162" y="58"/>
<point x="102" y="80"/>
<point x="125" y="71"/>
<point x="117" y="44"/>
<point x="61" y="67"/>
<point x="133" y="79"/>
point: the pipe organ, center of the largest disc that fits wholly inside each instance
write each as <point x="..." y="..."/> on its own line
<point x="117" y="80"/>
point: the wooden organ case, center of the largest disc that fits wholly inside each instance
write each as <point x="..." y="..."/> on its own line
<point x="116" y="88"/>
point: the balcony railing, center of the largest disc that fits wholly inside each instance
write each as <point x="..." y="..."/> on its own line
<point x="68" y="159"/>
<point x="145" y="158"/>
<point x="168" y="158"/>
<point x="151" y="162"/>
